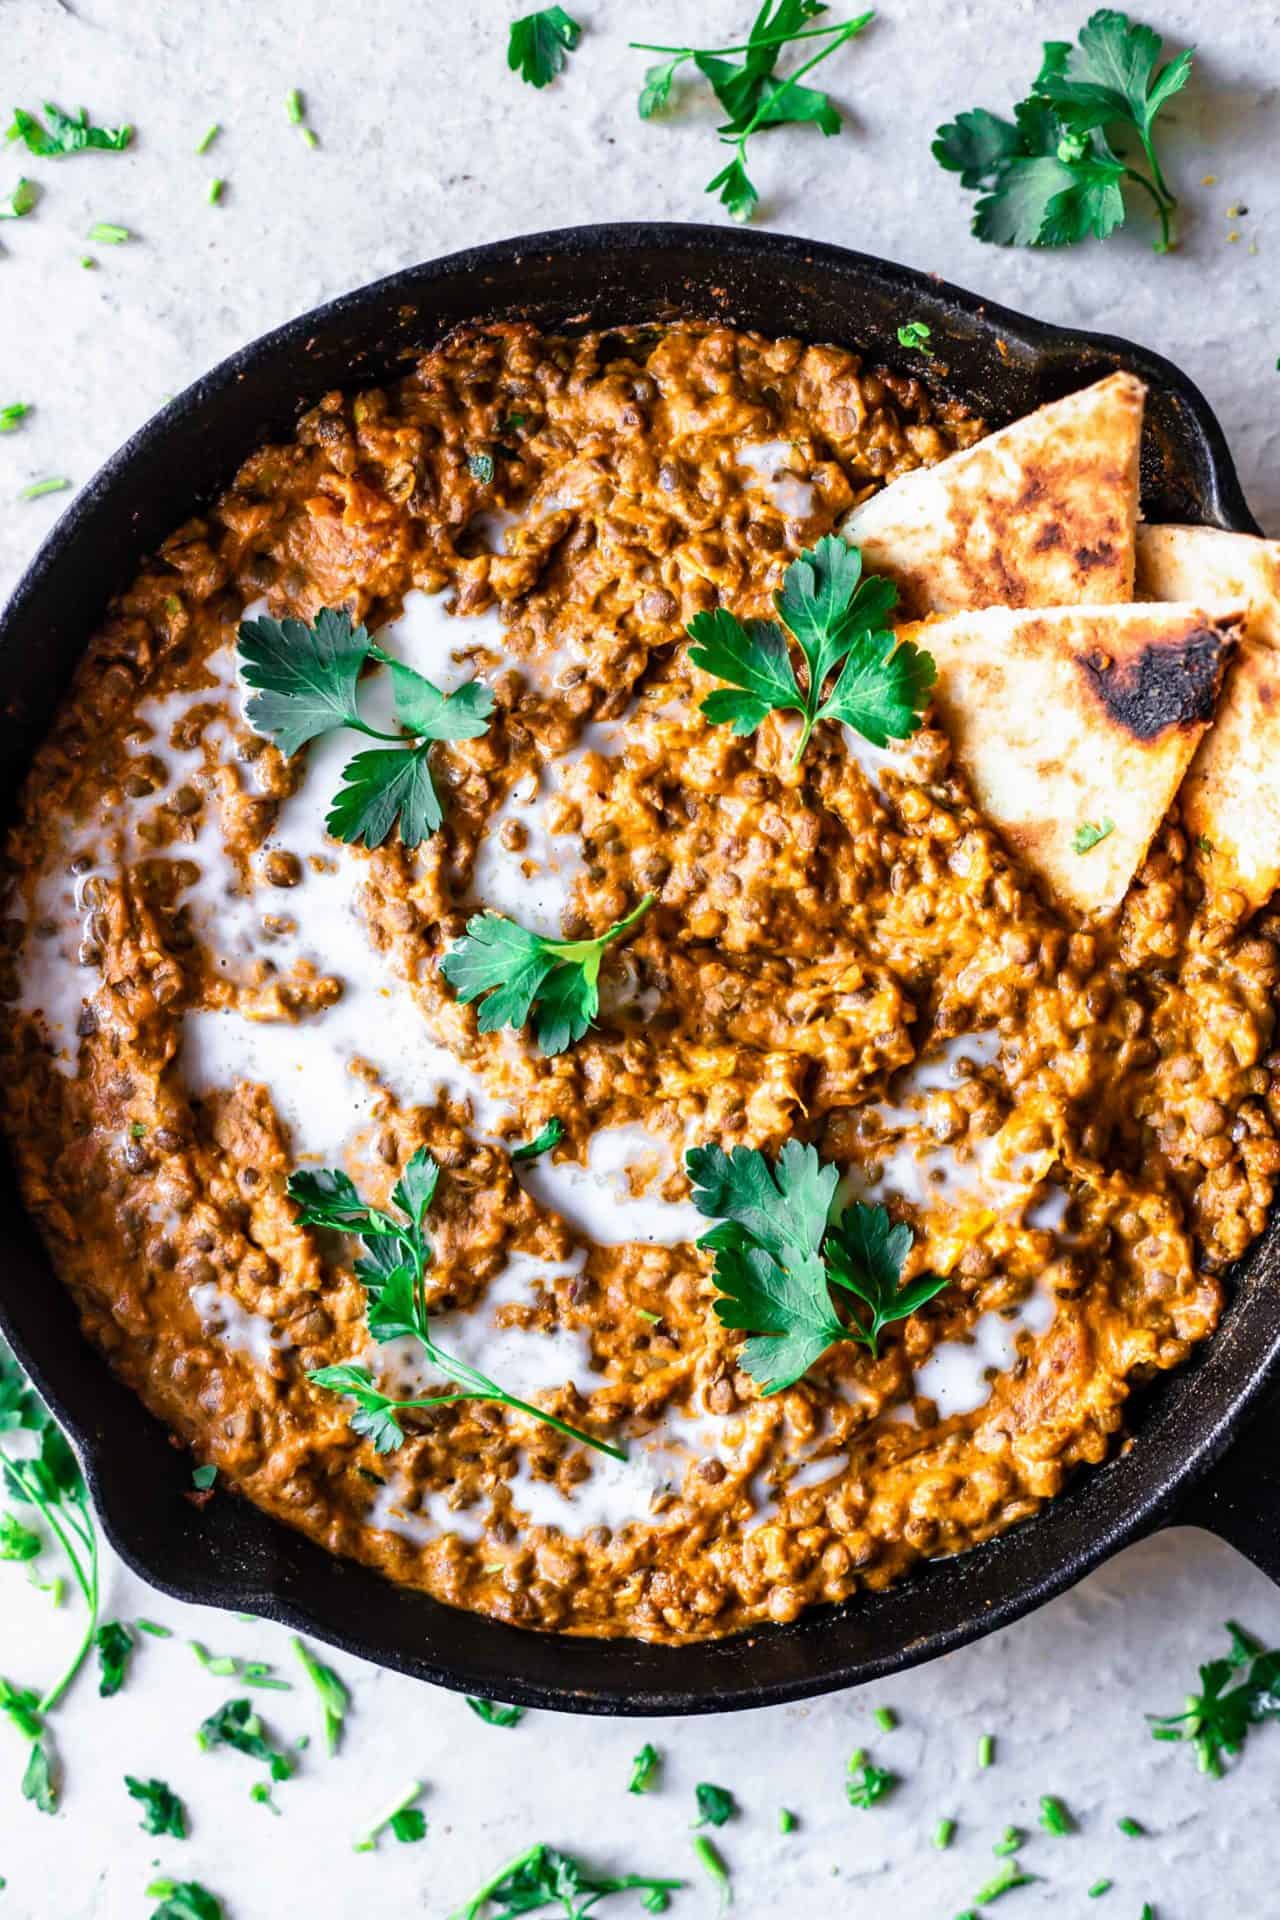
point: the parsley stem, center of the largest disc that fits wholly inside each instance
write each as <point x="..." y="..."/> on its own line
<point x="751" y="46"/>
<point x="1164" y="203"/>
<point x="768" y="106"/>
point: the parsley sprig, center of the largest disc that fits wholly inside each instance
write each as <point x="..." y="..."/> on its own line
<point x="539" y="44"/>
<point x="393" y="1273"/>
<point x="162" y="1810"/>
<point x="516" y="973"/>
<point x="873" y="682"/>
<point x="745" y="81"/>
<point x="542" y="1876"/>
<point x="1217" y="1719"/>
<point x="1050" y="176"/>
<point x="778" y="1253"/>
<point x="52" y="1483"/>
<point x="307" y="678"/>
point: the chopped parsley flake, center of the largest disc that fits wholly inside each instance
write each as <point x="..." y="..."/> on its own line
<point x="64" y="133"/>
<point x="644" y="1769"/>
<point x="915" y="336"/>
<point x="162" y="1810"/>
<point x="538" y="44"/>
<point x="715" y="1804"/>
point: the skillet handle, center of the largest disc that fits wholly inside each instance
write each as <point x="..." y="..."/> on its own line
<point x="1239" y="1497"/>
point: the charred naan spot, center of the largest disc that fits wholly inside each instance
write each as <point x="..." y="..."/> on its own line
<point x="1171" y="683"/>
<point x="1050" y="535"/>
<point x="1087" y="558"/>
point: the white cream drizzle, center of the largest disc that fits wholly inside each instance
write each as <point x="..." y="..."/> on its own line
<point x="234" y="1326"/>
<point x="771" y="464"/>
<point x="598" y="1199"/>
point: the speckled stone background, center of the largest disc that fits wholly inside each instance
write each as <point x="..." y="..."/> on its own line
<point x="426" y="144"/>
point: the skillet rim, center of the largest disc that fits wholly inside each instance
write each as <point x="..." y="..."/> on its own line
<point x="1119" y="1512"/>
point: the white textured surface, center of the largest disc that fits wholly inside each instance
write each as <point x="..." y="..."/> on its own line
<point x="438" y="147"/>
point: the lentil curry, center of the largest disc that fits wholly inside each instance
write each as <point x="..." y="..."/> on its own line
<point x="1078" y="1118"/>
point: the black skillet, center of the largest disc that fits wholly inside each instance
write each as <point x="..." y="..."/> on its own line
<point x="1177" y="1467"/>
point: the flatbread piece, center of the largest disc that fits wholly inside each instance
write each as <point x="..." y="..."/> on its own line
<point x="1041" y="513"/>
<point x="1076" y="717"/>
<point x="1231" y="795"/>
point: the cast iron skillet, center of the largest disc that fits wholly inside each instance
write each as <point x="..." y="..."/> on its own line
<point x="230" y="1555"/>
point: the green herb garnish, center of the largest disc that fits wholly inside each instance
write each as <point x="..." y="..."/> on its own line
<point x="65" y="133"/>
<point x="393" y="1274"/>
<point x="1133" y="1828"/>
<point x="154" y="1628"/>
<point x="1054" y="1816"/>
<point x="237" y="1724"/>
<point x="56" y="483"/>
<point x="493" y="1714"/>
<point x="1009" y="1877"/>
<point x="1009" y="1842"/>
<point x="16" y="1541"/>
<point x="50" y="1481"/>
<point x="331" y="1692"/>
<point x="712" y="1861"/>
<point x="216" y="189"/>
<point x="202" y="1478"/>
<point x="1100" y="1887"/>
<point x="542" y="1142"/>
<point x="208" y="137"/>
<point x="865" y="1783"/>
<point x="15" y="205"/>
<point x="715" y="1804"/>
<point x="162" y="1810"/>
<point x="786" y="1820"/>
<point x="114" y="1642"/>
<point x="107" y="234"/>
<point x="12" y="416"/>
<point x="405" y="1821"/>
<point x="1050" y="176"/>
<point x="539" y="44"/>
<point x="184" y="1900"/>
<point x="986" y="1749"/>
<point x="1089" y="835"/>
<point x="943" y="1834"/>
<point x="915" y="336"/>
<point x="778" y="1253"/>
<point x="542" y="1876"/>
<point x="837" y="619"/>
<point x="644" y="1769"/>
<point x="523" y="973"/>
<point x="745" y="81"/>
<point x="1217" y="1719"/>
<point x="306" y="678"/>
<point x="885" y="1718"/>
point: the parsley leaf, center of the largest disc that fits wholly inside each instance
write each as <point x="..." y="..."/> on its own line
<point x="21" y="201"/>
<point x="1050" y="177"/>
<point x="523" y="973"/>
<point x="1217" y="1719"/>
<point x="644" y="1769"/>
<point x="37" y="1779"/>
<point x="184" y="1900"/>
<point x="162" y="1810"/>
<point x="393" y="1272"/>
<point x="715" y="1804"/>
<point x="745" y="82"/>
<point x="542" y="1142"/>
<point x="494" y="1715"/>
<point x="1088" y="835"/>
<point x="778" y="1253"/>
<point x="881" y="685"/>
<point x="16" y="1541"/>
<point x="202" y="1478"/>
<point x="65" y="133"/>
<point x="542" y="1876"/>
<point x="331" y="1692"/>
<point x="238" y="1724"/>
<point x="405" y="1821"/>
<point x="114" y="1642"/>
<point x="307" y="679"/>
<point x="538" y="46"/>
<point x="12" y="416"/>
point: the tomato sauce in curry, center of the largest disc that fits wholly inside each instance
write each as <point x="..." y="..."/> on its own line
<point x="205" y="992"/>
